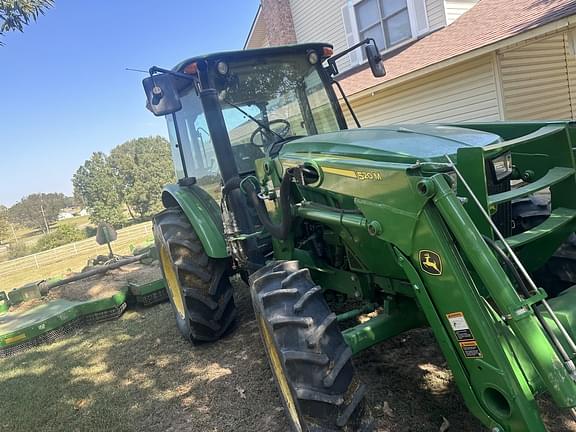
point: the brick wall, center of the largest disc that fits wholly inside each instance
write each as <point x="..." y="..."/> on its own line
<point x="279" y="25"/>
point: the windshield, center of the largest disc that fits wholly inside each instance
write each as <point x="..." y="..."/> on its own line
<point x="262" y="102"/>
<point x="287" y="96"/>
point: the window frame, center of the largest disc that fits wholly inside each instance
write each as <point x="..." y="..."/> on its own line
<point x="350" y="8"/>
<point x="382" y="22"/>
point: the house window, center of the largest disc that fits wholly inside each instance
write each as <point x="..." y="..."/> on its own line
<point x="386" y="21"/>
<point x="390" y="22"/>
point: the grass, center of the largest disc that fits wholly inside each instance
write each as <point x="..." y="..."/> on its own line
<point x="78" y="221"/>
<point x="101" y="378"/>
<point x="137" y="374"/>
<point x="73" y="263"/>
<point x="31" y="236"/>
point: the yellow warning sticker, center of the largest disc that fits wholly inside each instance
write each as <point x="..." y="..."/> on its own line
<point x="471" y="349"/>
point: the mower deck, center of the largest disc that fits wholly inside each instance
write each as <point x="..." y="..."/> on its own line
<point x="21" y="330"/>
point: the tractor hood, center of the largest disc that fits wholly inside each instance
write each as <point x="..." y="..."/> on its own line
<point x="399" y="143"/>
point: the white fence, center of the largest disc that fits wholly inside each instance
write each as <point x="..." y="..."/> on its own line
<point x="72" y="256"/>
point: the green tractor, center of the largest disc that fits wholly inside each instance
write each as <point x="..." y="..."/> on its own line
<point x="462" y="228"/>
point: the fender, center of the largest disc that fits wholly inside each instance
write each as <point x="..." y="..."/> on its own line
<point x="203" y="213"/>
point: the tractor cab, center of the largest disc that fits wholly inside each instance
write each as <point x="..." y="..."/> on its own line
<point x="262" y="97"/>
<point x="225" y="110"/>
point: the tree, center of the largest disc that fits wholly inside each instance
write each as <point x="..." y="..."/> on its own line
<point x="132" y="176"/>
<point x="15" y="14"/>
<point x="4" y="224"/>
<point x="62" y="235"/>
<point x="38" y="211"/>
<point x="144" y="166"/>
<point x="100" y="189"/>
<point x="18" y="249"/>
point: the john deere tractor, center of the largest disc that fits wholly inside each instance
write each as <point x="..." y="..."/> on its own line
<point x="465" y="229"/>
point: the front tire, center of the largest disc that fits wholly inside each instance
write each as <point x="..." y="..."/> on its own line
<point x="309" y="358"/>
<point x="198" y="286"/>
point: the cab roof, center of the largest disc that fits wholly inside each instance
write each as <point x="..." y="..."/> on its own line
<point x="251" y="53"/>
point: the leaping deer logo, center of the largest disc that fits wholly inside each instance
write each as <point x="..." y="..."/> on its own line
<point x="430" y="262"/>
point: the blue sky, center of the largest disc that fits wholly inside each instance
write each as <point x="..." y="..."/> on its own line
<point x="65" y="91"/>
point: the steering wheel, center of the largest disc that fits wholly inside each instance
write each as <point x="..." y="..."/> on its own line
<point x="266" y="135"/>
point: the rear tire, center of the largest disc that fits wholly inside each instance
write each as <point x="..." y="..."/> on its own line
<point x="198" y="286"/>
<point x="307" y="353"/>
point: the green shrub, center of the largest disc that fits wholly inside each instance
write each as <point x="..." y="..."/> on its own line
<point x="18" y="249"/>
<point x="90" y="231"/>
<point x="64" y="234"/>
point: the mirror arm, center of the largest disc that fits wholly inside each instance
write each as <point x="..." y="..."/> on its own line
<point x="332" y="69"/>
<point x="155" y="70"/>
<point x="179" y="143"/>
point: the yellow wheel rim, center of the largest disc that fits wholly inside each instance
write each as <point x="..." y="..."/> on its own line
<point x="278" y="371"/>
<point x="172" y="282"/>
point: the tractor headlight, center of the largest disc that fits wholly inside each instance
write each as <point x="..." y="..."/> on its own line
<point x="502" y="166"/>
<point x="222" y="67"/>
<point x="312" y="57"/>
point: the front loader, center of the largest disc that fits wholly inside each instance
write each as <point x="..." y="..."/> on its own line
<point x="455" y="227"/>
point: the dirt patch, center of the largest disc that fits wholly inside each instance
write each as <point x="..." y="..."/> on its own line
<point x="27" y="305"/>
<point x="92" y="288"/>
<point x="410" y="387"/>
<point x="140" y="274"/>
<point x="98" y="286"/>
<point x="107" y="284"/>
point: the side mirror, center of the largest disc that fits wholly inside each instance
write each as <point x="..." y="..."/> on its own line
<point x="162" y="97"/>
<point x="375" y="60"/>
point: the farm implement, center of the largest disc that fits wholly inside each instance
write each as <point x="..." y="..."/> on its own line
<point x="33" y="315"/>
<point x="466" y="229"/>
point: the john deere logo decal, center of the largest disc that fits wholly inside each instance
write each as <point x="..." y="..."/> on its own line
<point x="430" y="262"/>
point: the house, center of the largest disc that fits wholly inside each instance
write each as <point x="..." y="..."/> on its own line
<point x="446" y="60"/>
<point x="63" y="215"/>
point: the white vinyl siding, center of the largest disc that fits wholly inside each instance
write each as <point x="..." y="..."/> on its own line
<point x="436" y="16"/>
<point x="320" y="21"/>
<point x="570" y="42"/>
<point x="455" y="8"/>
<point x="535" y="81"/>
<point x="459" y="93"/>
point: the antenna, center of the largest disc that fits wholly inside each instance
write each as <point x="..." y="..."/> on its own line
<point x="136" y="70"/>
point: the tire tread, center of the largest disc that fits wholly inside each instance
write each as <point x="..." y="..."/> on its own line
<point x="320" y="374"/>
<point x="208" y="294"/>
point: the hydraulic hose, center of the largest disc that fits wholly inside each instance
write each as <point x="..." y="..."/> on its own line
<point x="282" y="229"/>
<point x="526" y="292"/>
